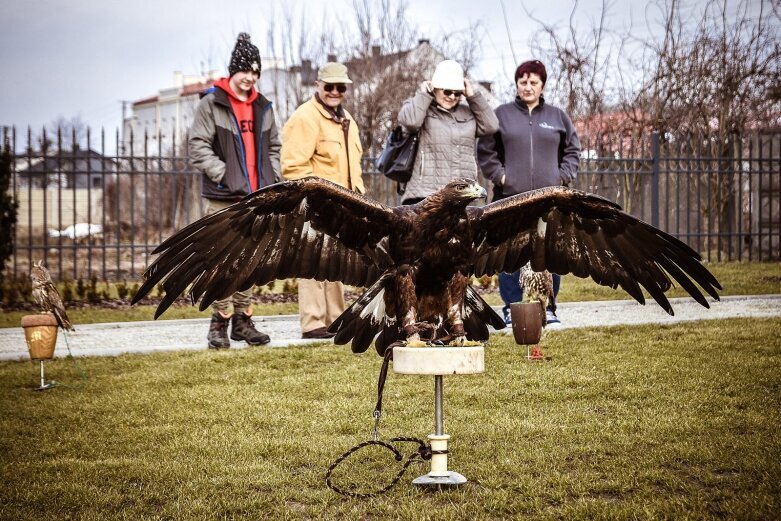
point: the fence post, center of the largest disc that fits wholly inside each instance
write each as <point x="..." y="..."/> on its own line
<point x="655" y="179"/>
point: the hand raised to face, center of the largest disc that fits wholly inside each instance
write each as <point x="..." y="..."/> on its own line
<point x="468" y="90"/>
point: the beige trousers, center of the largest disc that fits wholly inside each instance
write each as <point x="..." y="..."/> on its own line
<point x="241" y="300"/>
<point x="319" y="303"/>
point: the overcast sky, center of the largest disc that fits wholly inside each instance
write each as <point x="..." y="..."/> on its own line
<point x="66" y="58"/>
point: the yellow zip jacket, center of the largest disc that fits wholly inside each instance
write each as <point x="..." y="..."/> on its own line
<point x="313" y="143"/>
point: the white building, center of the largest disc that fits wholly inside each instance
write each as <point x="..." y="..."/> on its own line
<point x="159" y="123"/>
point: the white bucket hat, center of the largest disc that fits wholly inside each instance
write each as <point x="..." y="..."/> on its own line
<point x="448" y="75"/>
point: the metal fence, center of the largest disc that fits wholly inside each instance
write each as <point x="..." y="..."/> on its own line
<point x="88" y="213"/>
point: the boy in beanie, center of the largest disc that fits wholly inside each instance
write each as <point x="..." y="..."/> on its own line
<point x="235" y="144"/>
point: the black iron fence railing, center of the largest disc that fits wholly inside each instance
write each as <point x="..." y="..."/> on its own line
<point x="91" y="213"/>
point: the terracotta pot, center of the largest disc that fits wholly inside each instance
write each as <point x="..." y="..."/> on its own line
<point x="40" y="331"/>
<point x="527" y="322"/>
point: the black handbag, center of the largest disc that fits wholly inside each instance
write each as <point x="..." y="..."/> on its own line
<point x="398" y="157"/>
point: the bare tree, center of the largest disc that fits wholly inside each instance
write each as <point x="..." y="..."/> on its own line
<point x="389" y="61"/>
<point x="719" y="75"/>
<point x="705" y="84"/>
<point x="386" y="58"/>
<point x="296" y="45"/>
<point x="68" y="133"/>
<point x="383" y="71"/>
<point x="579" y="60"/>
<point x="708" y="71"/>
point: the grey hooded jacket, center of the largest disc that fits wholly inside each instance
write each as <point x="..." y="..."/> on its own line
<point x="531" y="150"/>
<point x="446" y="148"/>
<point x="217" y="150"/>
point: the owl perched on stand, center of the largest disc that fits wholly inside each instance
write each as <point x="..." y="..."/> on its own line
<point x="46" y="295"/>
<point x="537" y="287"/>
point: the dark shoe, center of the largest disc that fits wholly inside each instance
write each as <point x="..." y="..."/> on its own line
<point x="243" y="328"/>
<point x="320" y="332"/>
<point x="218" y="333"/>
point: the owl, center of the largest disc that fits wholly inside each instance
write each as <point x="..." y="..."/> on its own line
<point x="537" y="287"/>
<point x="46" y="295"/>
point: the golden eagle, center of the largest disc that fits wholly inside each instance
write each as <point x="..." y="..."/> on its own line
<point x="46" y="295"/>
<point x="416" y="261"/>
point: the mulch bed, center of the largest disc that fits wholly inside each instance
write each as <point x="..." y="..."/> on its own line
<point x="264" y="298"/>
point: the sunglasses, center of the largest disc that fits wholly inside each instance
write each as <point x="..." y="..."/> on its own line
<point x="456" y="93"/>
<point x="340" y="87"/>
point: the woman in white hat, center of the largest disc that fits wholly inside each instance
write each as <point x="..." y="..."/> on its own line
<point x="448" y="129"/>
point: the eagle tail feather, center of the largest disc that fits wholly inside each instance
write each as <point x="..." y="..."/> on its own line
<point x="391" y="332"/>
<point x="480" y="309"/>
<point x="363" y="319"/>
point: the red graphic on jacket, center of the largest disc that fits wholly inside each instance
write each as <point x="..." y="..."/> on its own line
<point x="244" y="116"/>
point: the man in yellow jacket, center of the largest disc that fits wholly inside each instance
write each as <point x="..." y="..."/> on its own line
<point x="322" y="139"/>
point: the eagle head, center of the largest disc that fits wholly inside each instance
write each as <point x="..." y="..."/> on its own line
<point x="464" y="189"/>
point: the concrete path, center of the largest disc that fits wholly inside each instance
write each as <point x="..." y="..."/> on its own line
<point x="113" y="339"/>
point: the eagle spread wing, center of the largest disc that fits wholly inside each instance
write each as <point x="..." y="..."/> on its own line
<point x="310" y="228"/>
<point x="46" y="295"/>
<point x="416" y="260"/>
<point x="568" y="231"/>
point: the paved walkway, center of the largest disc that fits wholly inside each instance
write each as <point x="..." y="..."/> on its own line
<point x="113" y="339"/>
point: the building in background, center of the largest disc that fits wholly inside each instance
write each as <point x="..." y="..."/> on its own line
<point x="160" y="123"/>
<point x="61" y="189"/>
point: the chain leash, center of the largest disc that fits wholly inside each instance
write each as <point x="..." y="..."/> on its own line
<point x="423" y="453"/>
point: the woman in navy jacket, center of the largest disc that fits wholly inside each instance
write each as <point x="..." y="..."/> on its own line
<point x="536" y="147"/>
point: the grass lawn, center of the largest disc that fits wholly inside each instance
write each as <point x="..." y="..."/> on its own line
<point x="645" y="422"/>
<point x="736" y="278"/>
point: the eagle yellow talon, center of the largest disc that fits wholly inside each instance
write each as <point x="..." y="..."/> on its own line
<point x="463" y="342"/>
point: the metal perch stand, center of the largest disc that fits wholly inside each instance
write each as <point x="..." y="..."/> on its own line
<point x="43" y="385"/>
<point x="439" y="361"/>
<point x="439" y="476"/>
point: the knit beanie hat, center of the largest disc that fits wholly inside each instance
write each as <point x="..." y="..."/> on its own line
<point x="245" y="57"/>
<point x="532" y="67"/>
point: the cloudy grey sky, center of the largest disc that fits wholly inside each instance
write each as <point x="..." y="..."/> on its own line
<point x="65" y="58"/>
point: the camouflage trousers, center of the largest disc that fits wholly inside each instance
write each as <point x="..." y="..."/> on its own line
<point x="241" y="300"/>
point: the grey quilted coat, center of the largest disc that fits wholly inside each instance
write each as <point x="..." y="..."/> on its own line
<point x="447" y="140"/>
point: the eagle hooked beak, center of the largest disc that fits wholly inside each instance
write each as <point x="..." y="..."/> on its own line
<point x="477" y="191"/>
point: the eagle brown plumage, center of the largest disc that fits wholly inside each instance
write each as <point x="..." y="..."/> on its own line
<point x="416" y="260"/>
<point x="46" y="295"/>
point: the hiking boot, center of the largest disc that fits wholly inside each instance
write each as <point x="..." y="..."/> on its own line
<point x="218" y="332"/>
<point x="243" y="328"/>
<point x="320" y="332"/>
<point x="508" y="319"/>
<point x="551" y="319"/>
